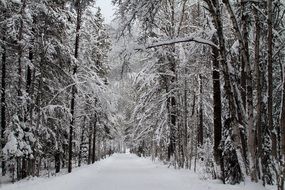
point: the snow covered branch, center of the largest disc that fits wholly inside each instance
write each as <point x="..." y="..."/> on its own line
<point x="181" y="40"/>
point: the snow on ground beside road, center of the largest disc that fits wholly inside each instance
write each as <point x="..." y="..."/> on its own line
<point x="127" y="172"/>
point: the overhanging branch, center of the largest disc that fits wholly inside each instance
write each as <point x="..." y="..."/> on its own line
<point x="175" y="41"/>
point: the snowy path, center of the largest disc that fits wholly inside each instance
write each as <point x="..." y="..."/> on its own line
<point x="126" y="172"/>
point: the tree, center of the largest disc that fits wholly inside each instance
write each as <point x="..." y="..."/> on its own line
<point x="237" y="130"/>
<point x="3" y="98"/>
<point x="37" y="112"/>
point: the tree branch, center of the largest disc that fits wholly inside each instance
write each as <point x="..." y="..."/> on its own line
<point x="175" y="41"/>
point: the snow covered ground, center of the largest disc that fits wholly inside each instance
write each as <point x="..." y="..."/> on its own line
<point x="127" y="172"/>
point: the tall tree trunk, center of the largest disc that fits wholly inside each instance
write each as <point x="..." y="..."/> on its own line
<point x="215" y="10"/>
<point x="24" y="168"/>
<point x="81" y="143"/>
<point x="251" y="128"/>
<point x="172" y="99"/>
<point x="81" y="146"/>
<point x="20" y="47"/>
<point x="57" y="161"/>
<point x="200" y="127"/>
<point x="185" y="121"/>
<point x="29" y="80"/>
<point x="258" y="91"/>
<point x="282" y="123"/>
<point x="90" y="143"/>
<point x="29" y="71"/>
<point x="21" y="167"/>
<point x="173" y="120"/>
<point x="251" y="131"/>
<point x="94" y="139"/>
<point x="70" y="144"/>
<point x="270" y="78"/>
<point x="38" y="101"/>
<point x="217" y="112"/>
<point x="3" y="102"/>
<point x="243" y="77"/>
<point x="73" y="92"/>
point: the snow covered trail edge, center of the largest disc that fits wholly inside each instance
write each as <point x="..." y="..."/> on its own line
<point x="127" y="172"/>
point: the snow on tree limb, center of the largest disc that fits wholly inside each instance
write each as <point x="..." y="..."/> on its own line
<point x="179" y="40"/>
<point x="4" y="2"/>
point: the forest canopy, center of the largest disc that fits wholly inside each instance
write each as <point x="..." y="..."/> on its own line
<point x="196" y="84"/>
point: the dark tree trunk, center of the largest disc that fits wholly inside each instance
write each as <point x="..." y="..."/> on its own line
<point x="217" y="112"/>
<point x="215" y="10"/>
<point x="94" y="140"/>
<point x="81" y="146"/>
<point x="172" y="102"/>
<point x="200" y="127"/>
<point x="258" y="91"/>
<point x="29" y="86"/>
<point x="282" y="126"/>
<point x="18" y="172"/>
<point x="20" y="49"/>
<point x="90" y="143"/>
<point x="270" y="79"/>
<point x="243" y="78"/>
<point x="243" y="85"/>
<point x="24" y="168"/>
<point x="57" y="161"/>
<point x="172" y="143"/>
<point x="29" y="72"/>
<point x="3" y="103"/>
<point x="71" y="131"/>
<point x="185" y="121"/>
<point x="73" y="92"/>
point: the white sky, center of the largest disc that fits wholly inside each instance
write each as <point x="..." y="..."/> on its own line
<point x="107" y="9"/>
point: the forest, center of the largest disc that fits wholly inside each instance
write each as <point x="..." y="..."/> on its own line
<point x="195" y="84"/>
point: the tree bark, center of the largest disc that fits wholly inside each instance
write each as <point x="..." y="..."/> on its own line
<point x="172" y="99"/>
<point x="270" y="79"/>
<point x="90" y="143"/>
<point x="94" y="139"/>
<point x="215" y="10"/>
<point x="3" y="102"/>
<point x="282" y="123"/>
<point x="217" y="112"/>
<point x="57" y="161"/>
<point x="200" y="131"/>
<point x="81" y="142"/>
<point x="185" y="122"/>
<point x="20" y="48"/>
<point x="258" y="91"/>
<point x="73" y="92"/>
<point x="251" y="130"/>
<point x="81" y="147"/>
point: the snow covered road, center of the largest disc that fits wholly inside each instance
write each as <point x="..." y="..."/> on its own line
<point x="126" y="172"/>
